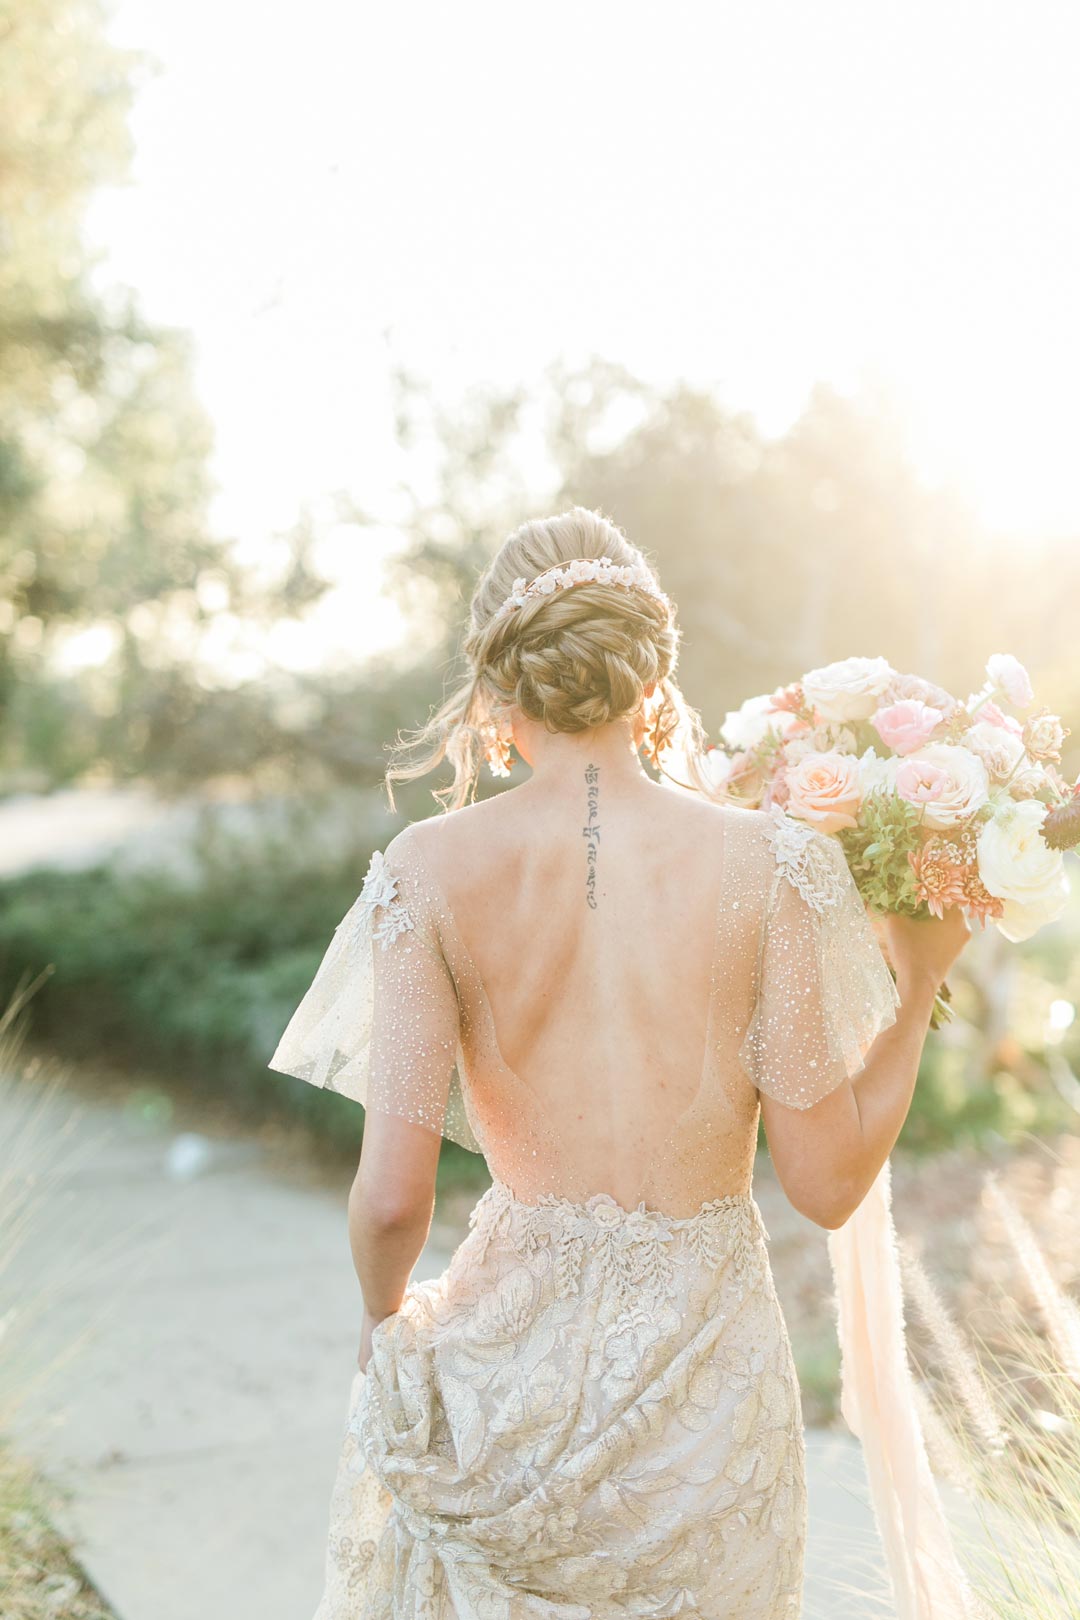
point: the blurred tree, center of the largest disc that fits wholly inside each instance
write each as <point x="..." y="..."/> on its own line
<point x="108" y="567"/>
<point x="781" y="554"/>
<point x="121" y="612"/>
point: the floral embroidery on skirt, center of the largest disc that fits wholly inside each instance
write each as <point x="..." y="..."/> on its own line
<point x="592" y="1413"/>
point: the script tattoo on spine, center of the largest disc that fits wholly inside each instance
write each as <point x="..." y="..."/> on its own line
<point x="591" y="832"/>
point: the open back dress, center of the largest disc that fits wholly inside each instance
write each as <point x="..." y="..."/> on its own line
<point x="593" y="1412"/>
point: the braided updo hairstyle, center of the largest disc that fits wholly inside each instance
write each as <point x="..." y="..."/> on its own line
<point x="572" y="660"/>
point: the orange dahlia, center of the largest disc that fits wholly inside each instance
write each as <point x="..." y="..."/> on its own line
<point x="939" y="875"/>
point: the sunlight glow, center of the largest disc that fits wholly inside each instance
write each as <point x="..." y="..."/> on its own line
<point x="753" y="198"/>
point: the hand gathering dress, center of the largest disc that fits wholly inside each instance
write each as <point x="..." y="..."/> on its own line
<point x="594" y="1412"/>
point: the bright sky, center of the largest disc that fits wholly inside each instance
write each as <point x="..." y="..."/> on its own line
<point x="754" y="197"/>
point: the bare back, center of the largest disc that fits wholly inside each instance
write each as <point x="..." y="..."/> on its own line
<point x="603" y="955"/>
<point x="592" y="984"/>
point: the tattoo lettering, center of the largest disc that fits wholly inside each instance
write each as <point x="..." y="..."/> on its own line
<point x="591" y="832"/>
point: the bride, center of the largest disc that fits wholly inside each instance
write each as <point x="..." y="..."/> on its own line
<point x="599" y="984"/>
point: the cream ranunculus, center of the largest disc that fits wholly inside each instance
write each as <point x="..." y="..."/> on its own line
<point x="825" y="790"/>
<point x="877" y="771"/>
<point x="1017" y="865"/>
<point x="850" y="689"/>
<point x="1009" y="674"/>
<point x="967" y="787"/>
<point x="746" y="726"/>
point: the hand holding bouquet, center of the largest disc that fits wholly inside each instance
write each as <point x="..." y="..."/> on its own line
<point x="937" y="803"/>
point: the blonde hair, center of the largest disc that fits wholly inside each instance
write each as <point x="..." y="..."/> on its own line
<point x="574" y="659"/>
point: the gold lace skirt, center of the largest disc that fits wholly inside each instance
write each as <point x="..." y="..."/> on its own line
<point x="592" y="1413"/>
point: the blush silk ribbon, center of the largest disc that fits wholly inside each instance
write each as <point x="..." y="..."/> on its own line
<point x="878" y="1404"/>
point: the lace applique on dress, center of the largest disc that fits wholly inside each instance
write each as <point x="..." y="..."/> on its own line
<point x="807" y="860"/>
<point x="379" y="892"/>
<point x="637" y="1250"/>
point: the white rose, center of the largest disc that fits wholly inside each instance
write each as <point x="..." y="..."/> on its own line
<point x="1017" y="865"/>
<point x="746" y="726"/>
<point x="967" y="788"/>
<point x="877" y="771"/>
<point x="849" y="689"/>
<point x="1009" y="673"/>
<point x="999" y="750"/>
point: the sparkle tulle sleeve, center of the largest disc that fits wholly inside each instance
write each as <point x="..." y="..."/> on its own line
<point x="823" y="990"/>
<point x="380" y="1021"/>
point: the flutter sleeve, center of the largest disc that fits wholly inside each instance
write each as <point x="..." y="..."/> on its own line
<point x="822" y="989"/>
<point x="380" y="1021"/>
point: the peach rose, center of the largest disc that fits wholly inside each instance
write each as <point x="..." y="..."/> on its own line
<point x="825" y="790"/>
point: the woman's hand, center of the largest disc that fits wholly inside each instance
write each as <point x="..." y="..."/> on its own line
<point x="367" y="1328"/>
<point x="923" y="947"/>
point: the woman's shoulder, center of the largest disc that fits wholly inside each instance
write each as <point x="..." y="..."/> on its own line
<point x="718" y="818"/>
<point x="434" y="834"/>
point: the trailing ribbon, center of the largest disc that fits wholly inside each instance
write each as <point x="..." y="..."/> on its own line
<point x="878" y="1404"/>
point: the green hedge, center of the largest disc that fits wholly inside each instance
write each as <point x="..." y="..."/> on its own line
<point x="194" y="978"/>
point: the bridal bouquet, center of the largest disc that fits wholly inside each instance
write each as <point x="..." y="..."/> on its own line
<point x="935" y="801"/>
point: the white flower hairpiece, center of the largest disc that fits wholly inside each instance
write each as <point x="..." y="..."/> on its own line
<point x="582" y="571"/>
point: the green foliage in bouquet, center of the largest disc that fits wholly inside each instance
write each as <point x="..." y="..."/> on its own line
<point x="877" y="853"/>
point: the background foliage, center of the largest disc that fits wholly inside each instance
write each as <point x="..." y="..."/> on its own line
<point x="115" y="591"/>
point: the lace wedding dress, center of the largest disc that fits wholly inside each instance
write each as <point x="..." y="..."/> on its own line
<point x="594" y="1411"/>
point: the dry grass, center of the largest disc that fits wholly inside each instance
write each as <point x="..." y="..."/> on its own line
<point x="1002" y="1412"/>
<point x="39" y="1578"/>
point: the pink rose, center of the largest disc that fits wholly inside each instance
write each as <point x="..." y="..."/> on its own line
<point x="823" y="789"/>
<point x="919" y="782"/>
<point x="906" y="725"/>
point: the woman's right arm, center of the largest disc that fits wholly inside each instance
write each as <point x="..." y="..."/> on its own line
<point x="827" y="1156"/>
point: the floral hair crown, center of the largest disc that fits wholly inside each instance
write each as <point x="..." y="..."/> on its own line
<point x="582" y="571"/>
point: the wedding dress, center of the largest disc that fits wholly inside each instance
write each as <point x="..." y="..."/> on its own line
<point x="594" y="1412"/>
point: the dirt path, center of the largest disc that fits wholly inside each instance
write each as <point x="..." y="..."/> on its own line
<point x="199" y="1314"/>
